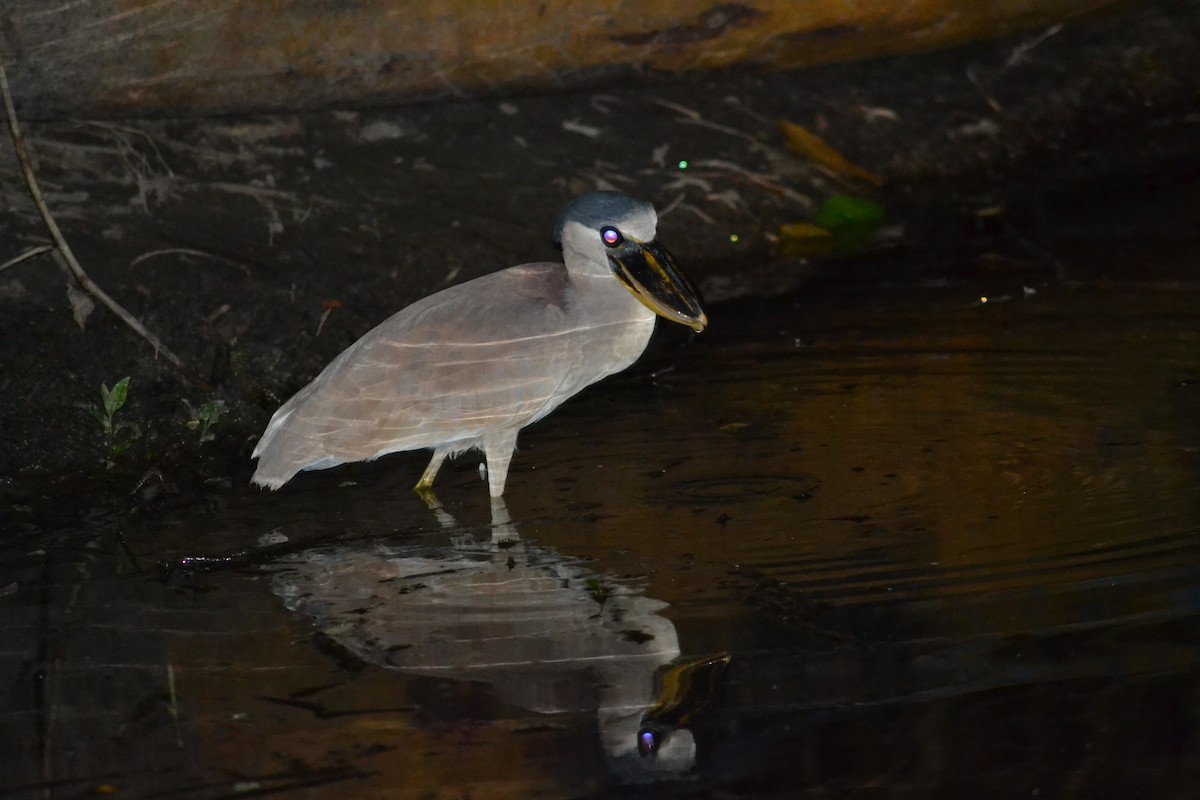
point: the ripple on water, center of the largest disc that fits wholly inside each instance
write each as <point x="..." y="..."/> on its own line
<point x="737" y="487"/>
<point x="964" y="469"/>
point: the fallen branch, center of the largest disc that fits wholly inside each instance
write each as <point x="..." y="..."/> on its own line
<point x="190" y="251"/>
<point x="37" y="251"/>
<point x="62" y="249"/>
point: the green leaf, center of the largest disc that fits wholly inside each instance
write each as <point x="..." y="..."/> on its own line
<point x="211" y="411"/>
<point x="841" y="212"/>
<point x="98" y="413"/>
<point x="114" y="399"/>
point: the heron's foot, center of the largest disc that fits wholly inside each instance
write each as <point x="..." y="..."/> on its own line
<point x="425" y="484"/>
<point x="425" y="492"/>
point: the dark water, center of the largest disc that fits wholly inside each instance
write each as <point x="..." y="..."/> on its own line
<point x="867" y="541"/>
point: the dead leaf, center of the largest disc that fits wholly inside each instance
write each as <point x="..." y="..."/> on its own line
<point x="330" y="306"/>
<point x="804" y="240"/>
<point x="803" y="231"/>
<point x="81" y="305"/>
<point x="808" y="145"/>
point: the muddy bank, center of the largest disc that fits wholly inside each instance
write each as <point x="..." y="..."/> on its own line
<point x="258" y="248"/>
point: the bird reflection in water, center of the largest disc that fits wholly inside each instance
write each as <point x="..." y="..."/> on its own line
<point x="547" y="633"/>
<point x="688" y="690"/>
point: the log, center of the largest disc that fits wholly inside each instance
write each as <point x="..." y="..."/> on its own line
<point x="114" y="58"/>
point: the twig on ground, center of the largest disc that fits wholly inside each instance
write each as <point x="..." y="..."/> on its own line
<point x="757" y="178"/>
<point x="37" y="251"/>
<point x="190" y="251"/>
<point x="1020" y="52"/>
<point x="330" y="306"/>
<point x="682" y="110"/>
<point x="62" y="250"/>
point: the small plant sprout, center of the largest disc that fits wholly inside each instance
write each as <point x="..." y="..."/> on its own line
<point x="205" y="417"/>
<point x="118" y="436"/>
<point x="111" y="402"/>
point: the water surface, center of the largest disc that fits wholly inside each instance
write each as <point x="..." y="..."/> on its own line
<point x="934" y="546"/>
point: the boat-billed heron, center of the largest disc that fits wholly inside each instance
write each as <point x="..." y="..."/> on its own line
<point x="470" y="366"/>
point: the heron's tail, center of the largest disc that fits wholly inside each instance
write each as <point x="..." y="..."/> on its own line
<point x="273" y="470"/>
<point x="283" y="451"/>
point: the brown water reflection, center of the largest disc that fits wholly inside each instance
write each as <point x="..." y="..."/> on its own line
<point x="544" y="634"/>
<point x="951" y="548"/>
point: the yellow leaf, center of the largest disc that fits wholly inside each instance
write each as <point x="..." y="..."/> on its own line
<point x="804" y="240"/>
<point x="813" y="147"/>
<point x="800" y="231"/>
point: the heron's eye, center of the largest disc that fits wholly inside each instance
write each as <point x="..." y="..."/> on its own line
<point x="611" y="236"/>
<point x="647" y="742"/>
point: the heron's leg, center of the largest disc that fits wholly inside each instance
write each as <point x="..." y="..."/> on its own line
<point x="498" y="449"/>
<point x="425" y="485"/>
<point x="503" y="530"/>
<point x="424" y="490"/>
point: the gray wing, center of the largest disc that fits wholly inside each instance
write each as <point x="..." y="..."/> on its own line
<point x="495" y="353"/>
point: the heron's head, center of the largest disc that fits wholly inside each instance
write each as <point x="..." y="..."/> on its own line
<point x="609" y="228"/>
